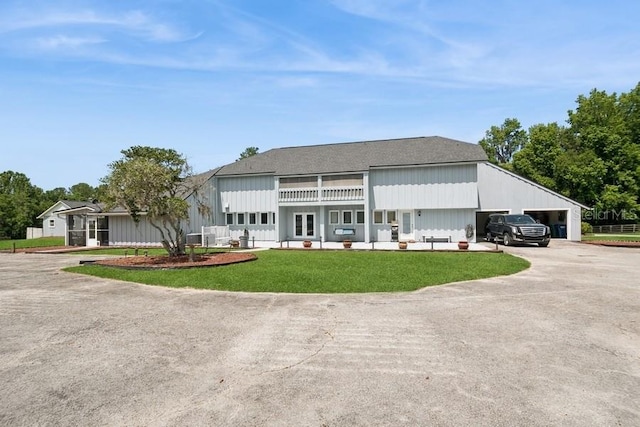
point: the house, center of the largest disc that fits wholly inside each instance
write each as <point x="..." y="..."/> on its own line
<point x="397" y="189"/>
<point x="54" y="219"/>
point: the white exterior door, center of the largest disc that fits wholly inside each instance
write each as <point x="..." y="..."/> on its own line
<point x="405" y="225"/>
<point x="304" y="225"/>
<point x="92" y="228"/>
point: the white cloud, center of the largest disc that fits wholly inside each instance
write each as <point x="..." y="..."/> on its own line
<point x="134" y="22"/>
<point x="63" y="42"/>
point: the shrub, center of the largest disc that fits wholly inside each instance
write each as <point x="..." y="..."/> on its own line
<point x="586" y="228"/>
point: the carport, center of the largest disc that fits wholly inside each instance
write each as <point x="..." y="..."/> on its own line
<point x="500" y="190"/>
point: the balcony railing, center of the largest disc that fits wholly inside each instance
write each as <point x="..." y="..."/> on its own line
<point x="328" y="194"/>
<point x="343" y="193"/>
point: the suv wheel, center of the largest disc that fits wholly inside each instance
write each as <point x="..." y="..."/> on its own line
<point x="543" y="245"/>
<point x="506" y="239"/>
<point x="489" y="237"/>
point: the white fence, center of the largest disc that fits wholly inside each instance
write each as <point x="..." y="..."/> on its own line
<point x="34" y="233"/>
<point x="215" y="235"/>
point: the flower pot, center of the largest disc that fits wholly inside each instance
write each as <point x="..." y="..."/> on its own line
<point x="306" y="243"/>
<point x="346" y="244"/>
<point x="402" y="245"/>
<point x="463" y="245"/>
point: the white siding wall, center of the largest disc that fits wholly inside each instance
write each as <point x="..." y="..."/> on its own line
<point x="206" y="195"/>
<point x="435" y="187"/>
<point x="124" y="232"/>
<point x="248" y="194"/>
<point x="445" y="223"/>
<point x="499" y="189"/>
<point x="59" y="225"/>
<point x="432" y="222"/>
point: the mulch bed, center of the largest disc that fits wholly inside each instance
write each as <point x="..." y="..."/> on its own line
<point x="162" y="262"/>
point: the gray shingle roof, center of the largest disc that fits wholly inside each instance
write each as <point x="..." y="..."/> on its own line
<point x="356" y="156"/>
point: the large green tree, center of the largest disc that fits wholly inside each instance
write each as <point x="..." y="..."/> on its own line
<point x="538" y="159"/>
<point x="20" y="204"/>
<point x="600" y="124"/>
<point x="594" y="160"/>
<point x="502" y="142"/>
<point x="154" y="183"/>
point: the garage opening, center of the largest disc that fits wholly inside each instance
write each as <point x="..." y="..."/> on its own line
<point x="482" y="218"/>
<point x="556" y="219"/>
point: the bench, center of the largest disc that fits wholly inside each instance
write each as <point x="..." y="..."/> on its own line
<point x="345" y="231"/>
<point x="432" y="240"/>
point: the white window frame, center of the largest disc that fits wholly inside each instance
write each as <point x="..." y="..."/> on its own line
<point x="337" y="214"/>
<point x="344" y="221"/>
<point x="228" y="216"/>
<point x="373" y="217"/>
<point x="395" y="217"/>
<point x="265" y="216"/>
<point x="240" y="218"/>
<point x="253" y="218"/>
<point x="52" y="223"/>
<point x="360" y="213"/>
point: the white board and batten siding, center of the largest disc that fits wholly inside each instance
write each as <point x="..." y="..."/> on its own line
<point x="249" y="194"/>
<point x="124" y="232"/>
<point x="445" y="195"/>
<point x="207" y="196"/>
<point x="499" y="189"/>
<point x="434" y="187"/>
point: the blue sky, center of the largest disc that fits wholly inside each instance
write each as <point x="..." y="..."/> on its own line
<point x="81" y="80"/>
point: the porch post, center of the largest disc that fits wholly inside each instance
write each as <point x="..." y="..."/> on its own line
<point x="367" y="209"/>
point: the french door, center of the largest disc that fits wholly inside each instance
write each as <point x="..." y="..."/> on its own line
<point x="304" y="225"/>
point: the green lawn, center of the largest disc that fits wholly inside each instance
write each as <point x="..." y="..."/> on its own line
<point x="327" y="271"/>
<point x="31" y="243"/>
<point x="603" y="237"/>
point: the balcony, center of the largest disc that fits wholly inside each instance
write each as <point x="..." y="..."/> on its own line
<point x="324" y="194"/>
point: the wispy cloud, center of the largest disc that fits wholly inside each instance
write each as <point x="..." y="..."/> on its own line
<point x="134" y="22"/>
<point x="64" y="42"/>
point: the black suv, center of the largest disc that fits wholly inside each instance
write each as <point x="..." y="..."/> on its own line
<point x="512" y="229"/>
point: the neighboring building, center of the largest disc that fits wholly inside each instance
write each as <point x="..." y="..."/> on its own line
<point x="54" y="219"/>
<point x="427" y="186"/>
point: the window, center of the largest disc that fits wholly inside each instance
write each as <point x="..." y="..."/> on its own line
<point x="229" y="219"/>
<point x="377" y="217"/>
<point x="273" y="217"/>
<point x="52" y="223"/>
<point x="334" y="217"/>
<point x="347" y="217"/>
<point x="264" y="218"/>
<point x="359" y="217"/>
<point x="391" y="217"/>
<point x="252" y="219"/>
<point x="240" y="219"/>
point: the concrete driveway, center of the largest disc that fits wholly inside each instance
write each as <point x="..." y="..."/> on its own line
<point x="558" y="344"/>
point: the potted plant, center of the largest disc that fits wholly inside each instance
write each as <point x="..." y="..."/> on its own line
<point x="346" y="243"/>
<point x="468" y="232"/>
<point x="306" y="243"/>
<point x="402" y="245"/>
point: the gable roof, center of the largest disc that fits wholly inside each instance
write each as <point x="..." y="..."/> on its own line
<point x="356" y="156"/>
<point x="63" y="205"/>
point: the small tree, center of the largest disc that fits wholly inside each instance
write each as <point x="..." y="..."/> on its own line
<point x="154" y="182"/>
<point x="248" y="152"/>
